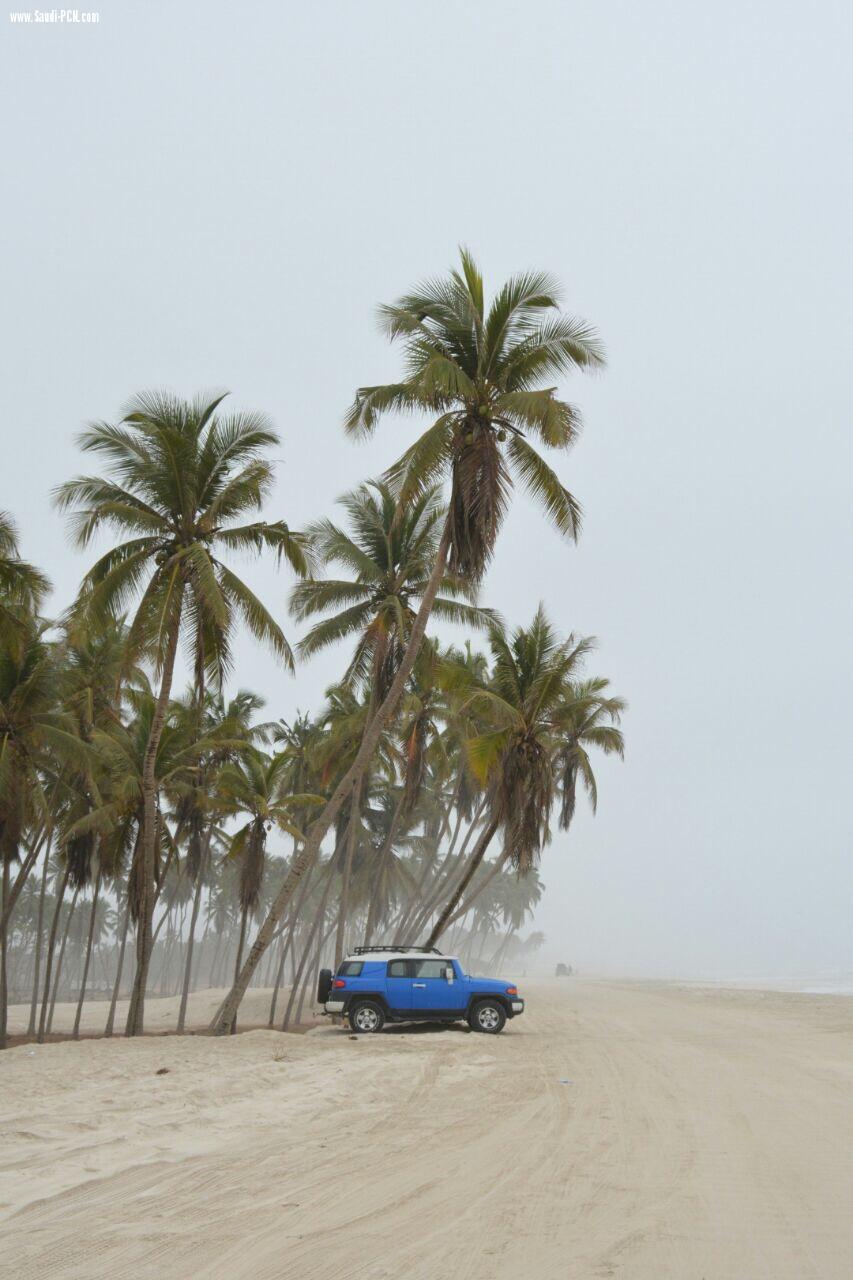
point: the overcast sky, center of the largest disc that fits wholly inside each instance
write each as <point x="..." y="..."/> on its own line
<point x="218" y="195"/>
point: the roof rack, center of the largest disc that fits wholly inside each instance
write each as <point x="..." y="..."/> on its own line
<point x="363" y="951"/>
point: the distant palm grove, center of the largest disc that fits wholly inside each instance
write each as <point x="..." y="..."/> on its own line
<point x="155" y="838"/>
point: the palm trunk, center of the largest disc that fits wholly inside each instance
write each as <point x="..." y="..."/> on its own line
<point x="55" y="991"/>
<point x="188" y="966"/>
<point x="214" y="961"/>
<point x="308" y="975"/>
<point x="377" y="895"/>
<point x="144" y="943"/>
<point x="54" y="927"/>
<point x="487" y="880"/>
<point x="414" y="909"/>
<point x="240" y="944"/>
<point x="352" y="836"/>
<point x="111" y="1017"/>
<point x="75" y="1034"/>
<point x="31" y="1029"/>
<point x="287" y="942"/>
<point x="227" y="1012"/>
<point x="456" y="897"/>
<point x="241" y="939"/>
<point x="306" y="950"/>
<point x="497" y="958"/>
<point x="166" y="953"/>
<point x="279" y="974"/>
<point x="4" y="985"/>
<point x="13" y="890"/>
<point x="415" y="920"/>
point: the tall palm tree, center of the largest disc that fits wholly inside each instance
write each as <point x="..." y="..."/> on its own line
<point x="483" y="373"/>
<point x="180" y="480"/>
<point x="481" y="370"/>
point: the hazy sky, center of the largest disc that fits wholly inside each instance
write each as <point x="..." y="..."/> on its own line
<point x="217" y="195"/>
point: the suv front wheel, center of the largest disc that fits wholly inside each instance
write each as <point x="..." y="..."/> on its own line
<point x="488" y="1016"/>
<point x="366" y="1015"/>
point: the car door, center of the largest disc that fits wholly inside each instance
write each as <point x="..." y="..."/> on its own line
<point x="398" y="985"/>
<point x="432" y="992"/>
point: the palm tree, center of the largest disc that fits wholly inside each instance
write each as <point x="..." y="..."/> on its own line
<point x="22" y="586"/>
<point x="525" y="703"/>
<point x="92" y="661"/>
<point x="482" y="373"/>
<point x="582" y="722"/>
<point x="253" y="787"/>
<point x="388" y="559"/>
<point x="180" y="480"/>
<point x="117" y="822"/>
<point x="32" y="729"/>
<point x="345" y="720"/>
<point x="453" y="677"/>
<point x="226" y="726"/>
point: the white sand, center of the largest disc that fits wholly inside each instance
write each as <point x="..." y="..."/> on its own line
<point x="701" y="1135"/>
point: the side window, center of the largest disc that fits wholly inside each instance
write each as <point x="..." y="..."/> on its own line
<point x="351" y="969"/>
<point x="431" y="968"/>
<point x="399" y="969"/>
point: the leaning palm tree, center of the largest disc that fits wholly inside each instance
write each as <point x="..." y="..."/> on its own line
<point x="524" y="707"/>
<point x="481" y="373"/>
<point x="180" y="479"/>
<point x="388" y="558"/>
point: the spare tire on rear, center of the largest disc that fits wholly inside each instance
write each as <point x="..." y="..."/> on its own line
<point x="324" y="986"/>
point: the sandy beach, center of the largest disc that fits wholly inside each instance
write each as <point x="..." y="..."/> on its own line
<point x="618" y="1129"/>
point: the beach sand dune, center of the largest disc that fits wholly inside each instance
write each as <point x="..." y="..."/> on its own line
<point x="617" y="1130"/>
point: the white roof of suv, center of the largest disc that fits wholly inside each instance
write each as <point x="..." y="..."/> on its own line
<point x="394" y="953"/>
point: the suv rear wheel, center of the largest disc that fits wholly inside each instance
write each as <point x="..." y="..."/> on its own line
<point x="488" y="1016"/>
<point x="366" y="1016"/>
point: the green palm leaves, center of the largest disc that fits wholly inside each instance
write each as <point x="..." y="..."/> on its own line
<point x="538" y="720"/>
<point x="480" y="372"/>
<point x="255" y="787"/>
<point x="180" y="480"/>
<point x="387" y="556"/>
<point x="22" y="586"/>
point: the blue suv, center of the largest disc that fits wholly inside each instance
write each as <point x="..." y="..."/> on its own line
<point x="375" y="985"/>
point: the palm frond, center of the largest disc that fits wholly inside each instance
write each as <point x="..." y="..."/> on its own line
<point x="562" y="509"/>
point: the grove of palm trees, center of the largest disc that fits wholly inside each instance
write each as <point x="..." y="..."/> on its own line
<point x="162" y="828"/>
